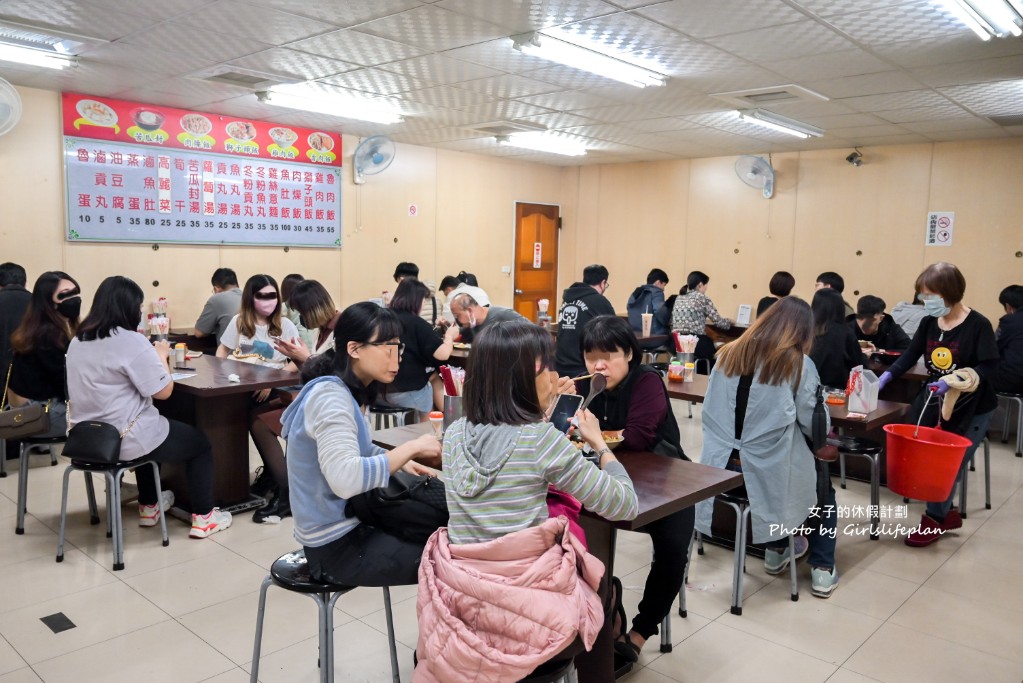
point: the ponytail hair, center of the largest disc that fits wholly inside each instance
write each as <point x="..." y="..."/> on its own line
<point x="695" y="279"/>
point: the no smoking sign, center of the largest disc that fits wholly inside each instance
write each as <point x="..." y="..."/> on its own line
<point x="940" y="227"/>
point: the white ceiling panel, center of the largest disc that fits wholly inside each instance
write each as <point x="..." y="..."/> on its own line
<point x="881" y="140"/>
<point x="702" y="19"/>
<point x="520" y="16"/>
<point x="358" y="48"/>
<point x="341" y="13"/>
<point x="449" y="66"/>
<point x="774" y="43"/>
<point x="302" y="65"/>
<point x="432" y="28"/>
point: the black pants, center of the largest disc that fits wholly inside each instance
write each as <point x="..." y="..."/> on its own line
<point x="366" y="556"/>
<point x="704" y="350"/>
<point x="184" y="444"/>
<point x="671" y="536"/>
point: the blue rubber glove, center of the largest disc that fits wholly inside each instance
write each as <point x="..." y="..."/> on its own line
<point x="940" y="387"/>
<point x="883" y="380"/>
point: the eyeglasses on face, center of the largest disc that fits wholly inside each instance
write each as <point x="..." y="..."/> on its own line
<point x="398" y="344"/>
<point x="265" y="296"/>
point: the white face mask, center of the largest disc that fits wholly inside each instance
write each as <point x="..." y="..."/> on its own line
<point x="472" y="321"/>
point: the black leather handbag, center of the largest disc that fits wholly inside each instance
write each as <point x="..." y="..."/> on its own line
<point x="93" y="441"/>
<point x="410" y="506"/>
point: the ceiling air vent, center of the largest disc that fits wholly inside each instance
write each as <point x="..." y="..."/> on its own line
<point x="778" y="94"/>
<point x="242" y="78"/>
<point x="509" y="127"/>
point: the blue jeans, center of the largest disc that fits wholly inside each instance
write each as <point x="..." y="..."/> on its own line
<point x="823" y="536"/>
<point x="975" y="433"/>
<point x="418" y="399"/>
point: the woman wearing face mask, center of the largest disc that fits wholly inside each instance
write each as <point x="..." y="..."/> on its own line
<point x="40" y="344"/>
<point x="250" y="337"/>
<point x="951" y="338"/>
<point x="693" y="308"/>
<point x="636" y="403"/>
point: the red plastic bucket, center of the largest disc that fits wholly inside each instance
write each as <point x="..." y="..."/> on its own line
<point x="923" y="467"/>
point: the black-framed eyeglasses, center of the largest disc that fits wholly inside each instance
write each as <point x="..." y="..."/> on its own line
<point x="69" y="294"/>
<point x="265" y="296"/>
<point x="400" y="345"/>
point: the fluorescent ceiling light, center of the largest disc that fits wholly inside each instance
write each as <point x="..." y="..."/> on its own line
<point x="569" y="54"/>
<point x="334" y="105"/>
<point x="778" y="123"/>
<point x="988" y="18"/>
<point x="544" y="142"/>
<point x="25" y="55"/>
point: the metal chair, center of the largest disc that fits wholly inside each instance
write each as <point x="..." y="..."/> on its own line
<point x="3" y="459"/>
<point x="113" y="474"/>
<point x="1018" y="400"/>
<point x="871" y="450"/>
<point x="25" y="451"/>
<point x="682" y="611"/>
<point x="291" y="572"/>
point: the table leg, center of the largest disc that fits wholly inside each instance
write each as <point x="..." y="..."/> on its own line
<point x="224" y="421"/>
<point x="600" y="539"/>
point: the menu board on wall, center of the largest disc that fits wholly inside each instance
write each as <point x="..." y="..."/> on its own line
<point x="142" y="173"/>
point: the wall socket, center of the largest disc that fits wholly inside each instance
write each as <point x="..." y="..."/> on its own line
<point x="506" y="270"/>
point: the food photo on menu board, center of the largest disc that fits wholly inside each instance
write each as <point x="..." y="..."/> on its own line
<point x="146" y="173"/>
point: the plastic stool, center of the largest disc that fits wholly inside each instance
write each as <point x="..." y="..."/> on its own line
<point x="987" y="480"/>
<point x="26" y="445"/>
<point x="871" y="450"/>
<point x="113" y="474"/>
<point x="291" y="572"/>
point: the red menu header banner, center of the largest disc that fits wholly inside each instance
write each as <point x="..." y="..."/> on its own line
<point x="104" y="118"/>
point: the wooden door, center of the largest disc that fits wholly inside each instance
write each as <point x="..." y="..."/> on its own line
<point x="536" y="257"/>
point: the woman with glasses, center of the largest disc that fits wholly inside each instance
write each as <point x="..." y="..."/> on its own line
<point x="331" y="456"/>
<point x="250" y="337"/>
<point x="423" y="348"/>
<point x="40" y="344"/>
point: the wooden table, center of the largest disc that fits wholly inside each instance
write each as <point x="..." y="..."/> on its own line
<point x="724" y="336"/>
<point x="220" y="409"/>
<point x="460" y="357"/>
<point x="183" y="335"/>
<point x="663" y="486"/>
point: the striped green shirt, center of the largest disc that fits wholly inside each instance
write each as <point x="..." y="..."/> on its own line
<point x="497" y="476"/>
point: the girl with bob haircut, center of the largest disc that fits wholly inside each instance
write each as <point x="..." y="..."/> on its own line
<point x="331" y="456"/>
<point x="781" y="285"/>
<point x="318" y="314"/>
<point x="775" y="457"/>
<point x="250" y="336"/>
<point x="953" y="340"/>
<point x="423" y="349"/>
<point x="835" y="350"/>
<point x="636" y="404"/>
<point x="39" y="345"/>
<point x="113" y="375"/>
<point x="691" y="311"/>
<point x="501" y="458"/>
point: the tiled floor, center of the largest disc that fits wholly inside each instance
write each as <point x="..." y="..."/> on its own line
<point x="950" y="612"/>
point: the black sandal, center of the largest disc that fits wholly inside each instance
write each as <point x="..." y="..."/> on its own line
<point x="623" y="643"/>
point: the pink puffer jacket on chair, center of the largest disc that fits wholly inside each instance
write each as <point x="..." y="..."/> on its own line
<point x="492" y="612"/>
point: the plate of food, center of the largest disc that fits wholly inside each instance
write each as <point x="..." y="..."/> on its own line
<point x="147" y="119"/>
<point x="612" y="439"/>
<point x="284" y="137"/>
<point x="886" y="357"/>
<point x="241" y="131"/>
<point x="462" y="345"/>
<point x="96" y="112"/>
<point x="321" y="142"/>
<point x="196" y="124"/>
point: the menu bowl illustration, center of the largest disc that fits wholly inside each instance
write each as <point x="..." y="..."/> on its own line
<point x="196" y="124"/>
<point x="284" y="137"/>
<point x="96" y="112"/>
<point x="321" y="142"/>
<point x="240" y="131"/>
<point x="147" y="119"/>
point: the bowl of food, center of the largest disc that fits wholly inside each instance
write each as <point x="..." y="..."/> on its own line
<point x="240" y="131"/>
<point x="613" y="439"/>
<point x="321" y="142"/>
<point x="196" y="124"/>
<point x="147" y="119"/>
<point x="864" y="344"/>
<point x="284" y="137"/>
<point x="885" y="357"/>
<point x="96" y="112"/>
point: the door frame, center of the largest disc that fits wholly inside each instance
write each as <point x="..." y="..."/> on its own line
<point x="557" y="263"/>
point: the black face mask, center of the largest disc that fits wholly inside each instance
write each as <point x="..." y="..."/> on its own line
<point x="70" y="308"/>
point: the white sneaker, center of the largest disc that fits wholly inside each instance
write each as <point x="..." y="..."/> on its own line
<point x="129" y="493"/>
<point x="149" y="515"/>
<point x="205" y="525"/>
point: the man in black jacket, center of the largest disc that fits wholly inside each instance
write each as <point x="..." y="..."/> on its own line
<point x="13" y="304"/>
<point x="581" y="302"/>
<point x="1009" y="377"/>
<point x="871" y="324"/>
